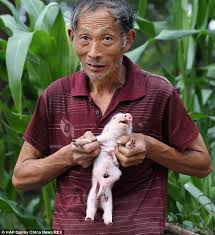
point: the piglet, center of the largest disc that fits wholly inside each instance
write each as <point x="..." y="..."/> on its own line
<point x="106" y="168"/>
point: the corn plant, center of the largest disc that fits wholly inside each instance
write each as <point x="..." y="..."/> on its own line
<point x="35" y="54"/>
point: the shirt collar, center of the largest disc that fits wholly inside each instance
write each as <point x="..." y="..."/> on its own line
<point x="133" y="88"/>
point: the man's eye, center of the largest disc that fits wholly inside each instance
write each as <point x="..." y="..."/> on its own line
<point x="108" y="38"/>
<point x="84" y="38"/>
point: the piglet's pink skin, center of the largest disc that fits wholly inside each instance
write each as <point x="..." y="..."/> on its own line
<point x="106" y="168"/>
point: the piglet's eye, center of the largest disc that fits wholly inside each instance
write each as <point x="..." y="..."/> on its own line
<point x="113" y="118"/>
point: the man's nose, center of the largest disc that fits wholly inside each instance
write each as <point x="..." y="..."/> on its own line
<point x="94" y="50"/>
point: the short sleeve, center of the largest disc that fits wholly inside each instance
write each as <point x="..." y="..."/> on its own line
<point x="181" y="129"/>
<point x="37" y="132"/>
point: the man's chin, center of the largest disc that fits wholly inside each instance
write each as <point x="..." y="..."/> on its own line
<point x="95" y="77"/>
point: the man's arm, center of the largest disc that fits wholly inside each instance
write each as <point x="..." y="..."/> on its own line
<point x="195" y="160"/>
<point x="33" y="169"/>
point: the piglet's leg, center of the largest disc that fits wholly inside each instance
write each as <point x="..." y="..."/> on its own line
<point x="115" y="161"/>
<point x="111" y="153"/>
<point x="107" y="206"/>
<point x="82" y="141"/>
<point x="130" y="144"/>
<point x="92" y="202"/>
<point x="101" y="192"/>
<point x="107" y="180"/>
<point x="102" y="138"/>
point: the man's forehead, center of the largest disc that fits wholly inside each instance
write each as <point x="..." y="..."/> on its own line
<point x="102" y="29"/>
<point x="101" y="18"/>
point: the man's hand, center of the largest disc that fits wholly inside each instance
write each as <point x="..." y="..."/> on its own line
<point x="134" y="156"/>
<point x="84" y="155"/>
<point x="33" y="169"/>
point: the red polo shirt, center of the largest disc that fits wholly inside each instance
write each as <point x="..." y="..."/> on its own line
<point x="65" y="111"/>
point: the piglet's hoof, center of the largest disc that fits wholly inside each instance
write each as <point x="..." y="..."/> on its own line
<point x="130" y="144"/>
<point x="75" y="142"/>
<point x="109" y="224"/>
<point x="99" y="196"/>
<point x="88" y="219"/>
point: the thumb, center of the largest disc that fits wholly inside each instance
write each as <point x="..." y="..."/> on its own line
<point x="123" y="139"/>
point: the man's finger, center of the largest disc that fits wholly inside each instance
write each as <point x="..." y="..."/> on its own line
<point x="89" y="148"/>
<point x="89" y="135"/>
<point x="86" y="164"/>
<point x="123" y="140"/>
<point x="127" y="152"/>
<point x="129" y="161"/>
<point x="120" y="156"/>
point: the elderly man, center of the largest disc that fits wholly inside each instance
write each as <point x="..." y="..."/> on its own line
<point x="81" y="104"/>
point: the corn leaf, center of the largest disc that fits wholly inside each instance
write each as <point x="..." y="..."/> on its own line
<point x="61" y="52"/>
<point x="146" y="26"/>
<point x="17" y="49"/>
<point x="13" y="119"/>
<point x="202" y="18"/>
<point x="33" y="8"/>
<point x="175" y="34"/>
<point x="47" y="17"/>
<point x="11" y="7"/>
<point x="136" y="53"/>
<point x="211" y="71"/>
<point x="191" y="53"/>
<point x="142" y="5"/>
<point x="29" y="221"/>
<point x="10" y="23"/>
<point x="198" y="116"/>
<point x="200" y="197"/>
<point x="194" y="13"/>
<point x="38" y="71"/>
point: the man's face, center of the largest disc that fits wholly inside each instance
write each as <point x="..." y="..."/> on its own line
<point x="98" y="44"/>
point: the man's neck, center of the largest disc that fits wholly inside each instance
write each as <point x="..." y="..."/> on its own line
<point x="109" y="85"/>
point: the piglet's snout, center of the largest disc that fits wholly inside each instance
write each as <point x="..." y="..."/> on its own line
<point x="128" y="116"/>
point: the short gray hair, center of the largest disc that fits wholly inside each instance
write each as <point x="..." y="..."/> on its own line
<point x="121" y="10"/>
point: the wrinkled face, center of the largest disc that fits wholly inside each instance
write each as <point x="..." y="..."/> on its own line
<point x="122" y="122"/>
<point x="98" y="44"/>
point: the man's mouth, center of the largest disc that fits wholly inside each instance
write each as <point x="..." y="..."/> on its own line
<point x="95" y="65"/>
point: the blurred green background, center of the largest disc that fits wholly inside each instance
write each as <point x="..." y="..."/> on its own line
<point x="174" y="38"/>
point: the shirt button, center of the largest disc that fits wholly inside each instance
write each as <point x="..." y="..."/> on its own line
<point x="97" y="112"/>
<point x="140" y="124"/>
<point x="77" y="191"/>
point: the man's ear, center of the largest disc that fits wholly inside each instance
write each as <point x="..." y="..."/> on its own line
<point x="130" y="36"/>
<point x="70" y="33"/>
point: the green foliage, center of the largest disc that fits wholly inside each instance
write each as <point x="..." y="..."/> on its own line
<point x="36" y="47"/>
<point x="173" y="39"/>
<point x="34" y="55"/>
<point x="26" y="219"/>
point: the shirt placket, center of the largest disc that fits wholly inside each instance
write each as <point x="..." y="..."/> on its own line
<point x="96" y="110"/>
